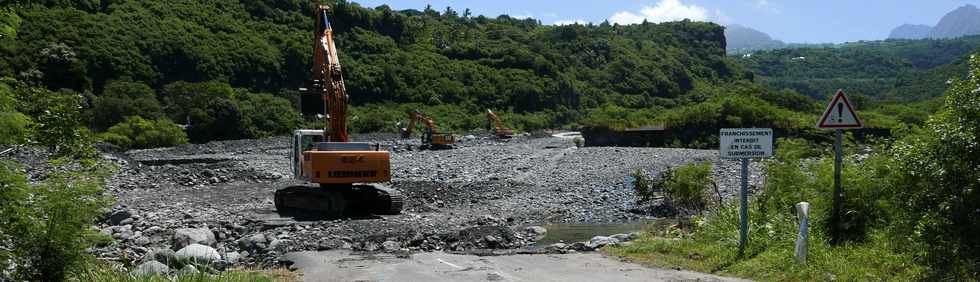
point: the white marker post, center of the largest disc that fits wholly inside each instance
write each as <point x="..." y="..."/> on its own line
<point x="838" y="116"/>
<point x="744" y="144"/>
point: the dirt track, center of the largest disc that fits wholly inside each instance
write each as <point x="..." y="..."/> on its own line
<point x="455" y="197"/>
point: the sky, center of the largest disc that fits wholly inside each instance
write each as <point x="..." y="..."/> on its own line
<point x="811" y="21"/>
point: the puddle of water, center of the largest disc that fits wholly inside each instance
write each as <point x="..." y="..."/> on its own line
<point x="576" y="232"/>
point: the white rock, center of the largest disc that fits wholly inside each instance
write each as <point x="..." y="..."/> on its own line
<point x="621" y="237"/>
<point x="198" y="253"/>
<point x="601" y="241"/>
<point x="536" y="230"/>
<point x="188" y="236"/>
<point x="150" y="268"/>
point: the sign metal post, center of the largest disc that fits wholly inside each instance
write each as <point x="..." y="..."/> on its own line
<point x="838" y="116"/>
<point x="744" y="144"/>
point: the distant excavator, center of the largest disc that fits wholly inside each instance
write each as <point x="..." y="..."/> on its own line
<point x="430" y="138"/>
<point x="495" y="125"/>
<point x="347" y="176"/>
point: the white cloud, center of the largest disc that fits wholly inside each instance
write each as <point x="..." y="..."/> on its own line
<point x="525" y="15"/>
<point x="550" y="15"/>
<point x="664" y="11"/>
<point x="571" y="22"/>
<point x="761" y="3"/>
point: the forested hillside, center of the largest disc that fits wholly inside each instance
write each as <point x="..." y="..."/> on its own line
<point x="900" y="70"/>
<point x="210" y="63"/>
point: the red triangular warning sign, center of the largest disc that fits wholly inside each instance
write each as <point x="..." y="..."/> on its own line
<point x="839" y="114"/>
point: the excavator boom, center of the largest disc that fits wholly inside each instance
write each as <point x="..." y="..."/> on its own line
<point x="328" y="79"/>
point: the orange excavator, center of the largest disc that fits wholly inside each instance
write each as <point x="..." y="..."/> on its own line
<point x="345" y="177"/>
<point x="430" y="138"/>
<point x="498" y="127"/>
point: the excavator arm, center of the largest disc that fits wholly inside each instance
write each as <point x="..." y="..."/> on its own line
<point x="327" y="80"/>
<point x="417" y="116"/>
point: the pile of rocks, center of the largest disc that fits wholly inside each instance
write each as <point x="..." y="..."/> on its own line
<point x="194" y="253"/>
<point x="593" y="244"/>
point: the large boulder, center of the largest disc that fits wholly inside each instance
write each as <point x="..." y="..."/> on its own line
<point x="187" y="236"/>
<point x="151" y="268"/>
<point x="198" y="253"/>
<point x="602" y="241"/>
<point x="621" y="237"/>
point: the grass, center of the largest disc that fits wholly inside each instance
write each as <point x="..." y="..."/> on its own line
<point x="768" y="260"/>
<point x="107" y="273"/>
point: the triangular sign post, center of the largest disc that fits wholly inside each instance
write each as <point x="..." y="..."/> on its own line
<point x="839" y="114"/>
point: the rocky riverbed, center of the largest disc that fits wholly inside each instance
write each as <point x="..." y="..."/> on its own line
<point x="216" y="198"/>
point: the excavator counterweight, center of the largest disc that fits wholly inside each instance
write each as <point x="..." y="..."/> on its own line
<point x="347" y="176"/>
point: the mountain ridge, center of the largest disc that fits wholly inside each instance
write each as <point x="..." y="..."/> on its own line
<point x="741" y="38"/>
<point x="962" y="21"/>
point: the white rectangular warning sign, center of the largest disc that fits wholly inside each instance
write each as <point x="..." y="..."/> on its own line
<point x="745" y="143"/>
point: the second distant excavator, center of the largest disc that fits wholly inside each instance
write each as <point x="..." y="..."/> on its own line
<point x="431" y="139"/>
<point x="497" y="126"/>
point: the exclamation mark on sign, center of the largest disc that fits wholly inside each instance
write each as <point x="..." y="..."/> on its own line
<point x="840" y="112"/>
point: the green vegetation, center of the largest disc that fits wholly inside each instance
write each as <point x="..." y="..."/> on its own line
<point x="47" y="224"/>
<point x="45" y="221"/>
<point x="903" y="70"/>
<point x="215" y="60"/>
<point x="107" y="274"/>
<point x="909" y="210"/>
<point x="139" y="133"/>
<point x="685" y="189"/>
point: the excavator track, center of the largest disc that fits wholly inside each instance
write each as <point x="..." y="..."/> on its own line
<point x="343" y="201"/>
<point x="388" y="201"/>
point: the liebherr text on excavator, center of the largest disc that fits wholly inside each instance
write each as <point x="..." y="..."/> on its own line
<point x="346" y="176"/>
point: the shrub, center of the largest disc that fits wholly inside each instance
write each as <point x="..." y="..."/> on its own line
<point x="689" y="187"/>
<point x="220" y="119"/>
<point x="123" y="99"/>
<point x="57" y="123"/>
<point x="268" y="115"/>
<point x="941" y="195"/>
<point x="683" y="189"/>
<point x="48" y="224"/>
<point x="14" y="128"/>
<point x="139" y="133"/>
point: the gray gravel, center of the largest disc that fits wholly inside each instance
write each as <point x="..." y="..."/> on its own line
<point x="478" y="196"/>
